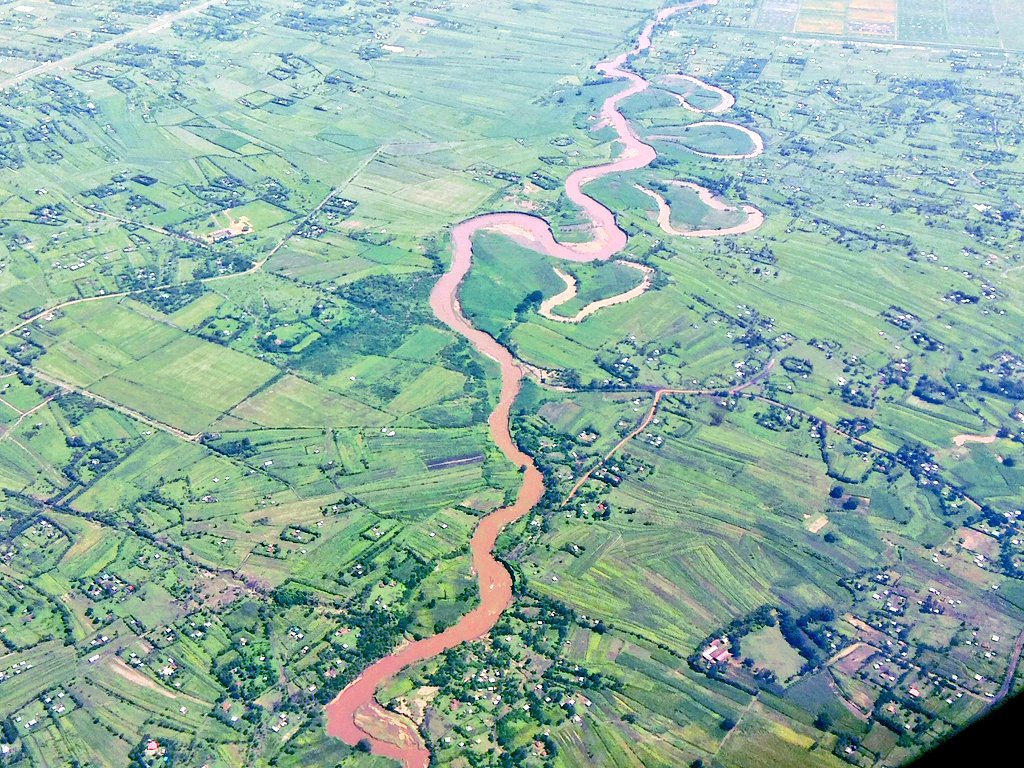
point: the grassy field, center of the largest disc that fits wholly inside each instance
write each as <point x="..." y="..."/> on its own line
<point x="770" y="648"/>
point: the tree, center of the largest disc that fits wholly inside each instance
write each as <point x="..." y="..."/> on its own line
<point x="364" y="745"/>
<point x="728" y="724"/>
<point x="823" y="721"/>
<point x="836" y="492"/>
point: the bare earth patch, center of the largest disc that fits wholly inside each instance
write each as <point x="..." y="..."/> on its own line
<point x="414" y="706"/>
<point x="961" y="440"/>
<point x="136" y="677"/>
<point x="979" y="542"/>
<point x="818" y="524"/>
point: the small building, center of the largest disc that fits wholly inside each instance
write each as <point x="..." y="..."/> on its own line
<point x="718" y="652"/>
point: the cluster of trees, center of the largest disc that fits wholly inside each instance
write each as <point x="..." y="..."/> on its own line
<point x="139" y="758"/>
<point x="410" y="572"/>
<point x="1011" y="389"/>
<point x="380" y="630"/>
<point x="933" y="391"/>
<point x="798" y="365"/>
<point x="779" y="419"/>
<point x="237" y="448"/>
<point x="734" y="631"/>
<point x="530" y="303"/>
<point x="247" y="669"/>
<point x="287" y="596"/>
<point x="229" y="263"/>
<point x="856" y="426"/>
<point x="385" y="308"/>
<point x="76" y="407"/>
<point x="917" y="458"/>
<point x="806" y="634"/>
<point x="8" y="730"/>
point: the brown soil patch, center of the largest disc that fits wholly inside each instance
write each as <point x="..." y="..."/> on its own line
<point x="387" y="726"/>
<point x="136" y="677"/>
<point x="979" y="542"/>
<point x="852" y="658"/>
<point x="414" y="706"/>
<point x="820" y="25"/>
<point x="818" y="524"/>
<point x="239" y="226"/>
<point x="961" y="440"/>
<point x="866" y="631"/>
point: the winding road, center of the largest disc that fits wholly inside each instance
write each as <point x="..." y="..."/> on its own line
<point x="355" y="715"/>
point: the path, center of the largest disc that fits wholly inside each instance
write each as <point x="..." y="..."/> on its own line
<point x="852" y="438"/>
<point x="355" y="710"/>
<point x="139" y="224"/>
<point x="119" y="668"/>
<point x="658" y="394"/>
<point x="131" y="412"/>
<point x="1004" y="689"/>
<point x="256" y="267"/>
<point x="10" y="428"/>
<point x="137" y="415"/>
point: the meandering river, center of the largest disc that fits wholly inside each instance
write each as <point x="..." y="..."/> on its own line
<point x="355" y="714"/>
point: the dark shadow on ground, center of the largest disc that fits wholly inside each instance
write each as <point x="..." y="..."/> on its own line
<point x="991" y="740"/>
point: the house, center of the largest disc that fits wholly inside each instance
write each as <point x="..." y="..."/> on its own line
<point x="717" y="652"/>
<point x="153" y="749"/>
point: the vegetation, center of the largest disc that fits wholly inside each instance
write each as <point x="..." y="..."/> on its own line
<point x="240" y="458"/>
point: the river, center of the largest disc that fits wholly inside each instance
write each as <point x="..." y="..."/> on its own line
<point x="355" y="714"/>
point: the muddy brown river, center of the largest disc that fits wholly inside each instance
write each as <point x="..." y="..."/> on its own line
<point x="355" y="714"/>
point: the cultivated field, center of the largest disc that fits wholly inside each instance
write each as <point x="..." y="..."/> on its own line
<point x="241" y="459"/>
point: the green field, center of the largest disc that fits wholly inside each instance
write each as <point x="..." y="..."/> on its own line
<point x="767" y="647"/>
<point x="240" y="464"/>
